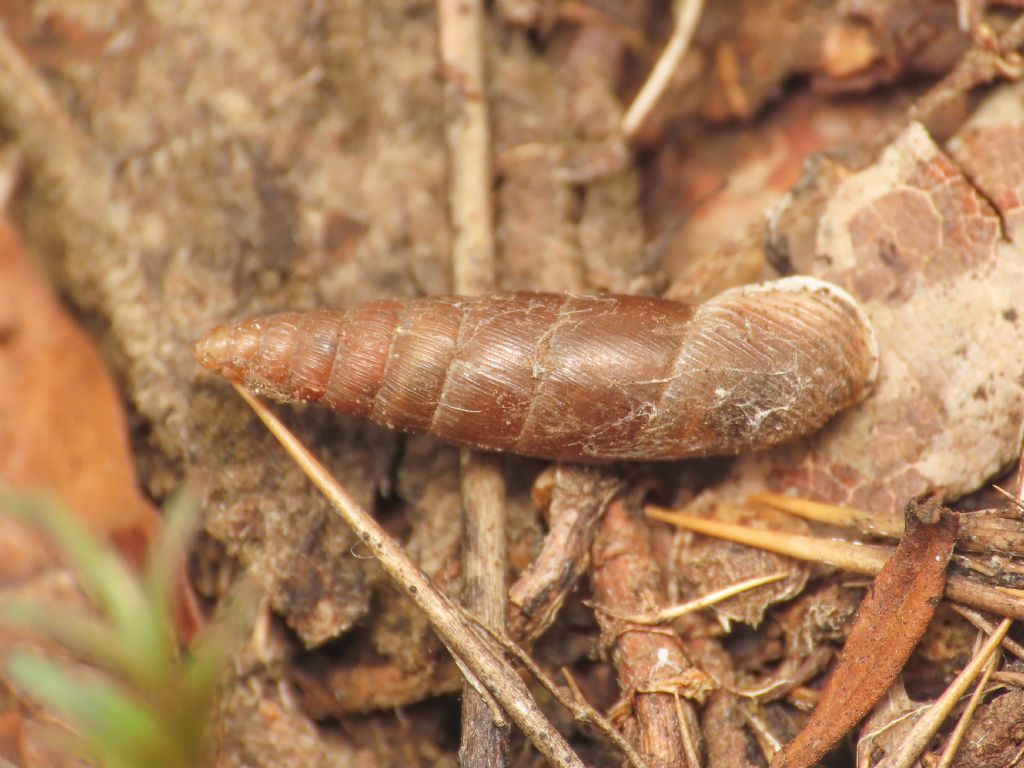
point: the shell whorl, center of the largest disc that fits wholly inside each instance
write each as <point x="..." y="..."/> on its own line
<point x="580" y="378"/>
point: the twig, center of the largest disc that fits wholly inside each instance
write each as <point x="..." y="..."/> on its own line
<point x="666" y="615"/>
<point x="1015" y="501"/>
<point x="979" y="532"/>
<point x="866" y="559"/>
<point x="928" y="724"/>
<point x="455" y="632"/>
<point x="687" y="14"/>
<point x="650" y="662"/>
<point x="469" y="145"/>
<point x="978" y="66"/>
<point x="484" y="557"/>
<point x="576" y="704"/>
<point x="689" y="729"/>
<point x="579" y="498"/>
<point x="955" y="738"/>
<point x="859" y="558"/>
<point x="484" y="550"/>
<point x="1009" y="679"/>
<point x="880" y="525"/>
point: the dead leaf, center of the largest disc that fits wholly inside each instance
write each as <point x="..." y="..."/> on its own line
<point x="888" y="725"/>
<point x="917" y="242"/>
<point x="62" y="430"/>
<point x="62" y="422"/>
<point x="706" y="564"/>
<point x="891" y="620"/>
<point x="722" y="183"/>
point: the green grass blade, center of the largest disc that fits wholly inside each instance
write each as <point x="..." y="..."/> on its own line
<point x="113" y="724"/>
<point x="101" y="573"/>
<point x="85" y="636"/>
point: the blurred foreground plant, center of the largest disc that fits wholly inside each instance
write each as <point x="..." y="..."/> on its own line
<point x="142" y="700"/>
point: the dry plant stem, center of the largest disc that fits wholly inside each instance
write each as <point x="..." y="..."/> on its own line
<point x="472" y="654"/>
<point x="484" y="554"/>
<point x="579" y="499"/>
<point x="831" y="514"/>
<point x="974" y="536"/>
<point x="625" y="578"/>
<point x="866" y="559"/>
<point x="689" y="729"/>
<point x="978" y="66"/>
<point x="705" y="601"/>
<point x="955" y="738"/>
<point x="576" y="704"/>
<point x="687" y="14"/>
<point x="469" y="144"/>
<point x="1011" y="679"/>
<point x="1015" y="501"/>
<point x="484" y="548"/>
<point x="858" y="558"/>
<point x="929" y="722"/>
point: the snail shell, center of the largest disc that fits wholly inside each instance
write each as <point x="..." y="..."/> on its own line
<point x="576" y="378"/>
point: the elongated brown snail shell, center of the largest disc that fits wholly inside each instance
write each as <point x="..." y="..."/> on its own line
<point x="579" y="378"/>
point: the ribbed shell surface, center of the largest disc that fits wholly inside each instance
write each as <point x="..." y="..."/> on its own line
<point x="580" y="378"/>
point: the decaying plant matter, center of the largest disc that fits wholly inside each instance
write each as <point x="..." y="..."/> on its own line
<point x="188" y="163"/>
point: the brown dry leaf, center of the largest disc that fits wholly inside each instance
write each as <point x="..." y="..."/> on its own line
<point x="921" y="246"/>
<point x="706" y="564"/>
<point x="62" y="422"/>
<point x="62" y="431"/>
<point x="722" y="183"/>
<point x="889" y="623"/>
<point x="887" y="726"/>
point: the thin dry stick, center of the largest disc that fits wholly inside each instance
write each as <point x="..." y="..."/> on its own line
<point x="866" y="559"/>
<point x="1015" y="501"/>
<point x="671" y="613"/>
<point x="887" y="525"/>
<point x="859" y="558"/>
<point x="926" y="727"/>
<point x="599" y="720"/>
<point x="473" y="655"/>
<point x="485" y="592"/>
<point x="978" y="66"/>
<point x="576" y="704"/>
<point x="955" y="738"/>
<point x="1010" y="679"/>
<point x="687" y="14"/>
<point x="469" y="143"/>
<point x="831" y="514"/>
<point x="484" y="550"/>
<point x="689" y="730"/>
